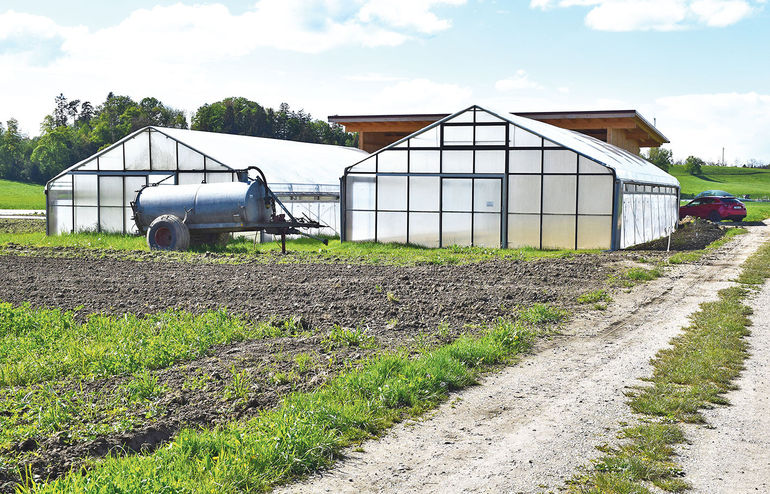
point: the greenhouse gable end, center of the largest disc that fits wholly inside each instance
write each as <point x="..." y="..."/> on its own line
<point x="499" y="180"/>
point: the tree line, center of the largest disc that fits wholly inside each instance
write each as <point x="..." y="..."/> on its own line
<point x="77" y="129"/>
<point x="663" y="159"/>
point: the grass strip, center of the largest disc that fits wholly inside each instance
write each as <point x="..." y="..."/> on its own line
<point x="38" y="345"/>
<point x="692" y="374"/>
<point x="240" y="250"/>
<point x="307" y="431"/>
<point x="695" y="255"/>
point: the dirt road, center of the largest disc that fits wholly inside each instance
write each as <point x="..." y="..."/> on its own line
<point x="528" y="428"/>
<point x="732" y="454"/>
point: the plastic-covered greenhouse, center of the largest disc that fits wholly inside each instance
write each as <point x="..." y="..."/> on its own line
<point x="95" y="194"/>
<point x="496" y="179"/>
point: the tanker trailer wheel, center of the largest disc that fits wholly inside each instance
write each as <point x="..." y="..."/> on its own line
<point x="167" y="232"/>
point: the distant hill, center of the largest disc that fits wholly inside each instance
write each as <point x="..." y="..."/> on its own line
<point x="18" y="195"/>
<point x="738" y="181"/>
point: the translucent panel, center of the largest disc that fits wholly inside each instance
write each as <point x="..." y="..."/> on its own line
<point x="112" y="159"/>
<point x="590" y="166"/>
<point x="60" y="219"/>
<point x="214" y="165"/>
<point x="594" y="232"/>
<point x="487" y="195"/>
<point x="549" y="144"/>
<point x="367" y="165"/>
<point x="85" y="190"/>
<point x="558" y="232"/>
<point x="391" y="227"/>
<point x="457" y="162"/>
<point x="359" y="191"/>
<point x="111" y="220"/>
<point x="392" y="161"/>
<point x="427" y="139"/>
<point x="490" y="161"/>
<point x="402" y="144"/>
<point x="525" y="161"/>
<point x="88" y="166"/>
<point x="559" y="161"/>
<point x="216" y="178"/>
<point x="424" y="193"/>
<point x="110" y="191"/>
<point x="457" y="194"/>
<point x="130" y="223"/>
<point x="595" y="194"/>
<point x="490" y="135"/>
<point x="424" y="161"/>
<point x="360" y="226"/>
<point x="454" y="135"/>
<point x="138" y="152"/>
<point x="524" y="230"/>
<point x="191" y="178"/>
<point x="391" y="193"/>
<point x="456" y="229"/>
<point x="189" y="159"/>
<point x="163" y="152"/>
<point x="424" y="229"/>
<point x="524" y="194"/>
<point x="486" y="230"/>
<point x="463" y="117"/>
<point x="559" y="194"/>
<point x="483" y="116"/>
<point x="521" y="138"/>
<point x="626" y="223"/>
<point x="60" y="192"/>
<point x="86" y="219"/>
<point x="133" y="184"/>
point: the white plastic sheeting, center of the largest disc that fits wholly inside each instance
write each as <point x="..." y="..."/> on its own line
<point x="487" y="179"/>
<point x="95" y="194"/>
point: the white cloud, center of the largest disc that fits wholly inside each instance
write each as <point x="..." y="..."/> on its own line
<point x="187" y="54"/>
<point x="701" y="124"/>
<point x="657" y="15"/>
<point x="519" y="81"/>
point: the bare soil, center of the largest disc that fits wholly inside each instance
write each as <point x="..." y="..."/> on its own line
<point x="398" y="305"/>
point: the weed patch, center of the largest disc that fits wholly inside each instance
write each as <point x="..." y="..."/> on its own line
<point x="308" y="430"/>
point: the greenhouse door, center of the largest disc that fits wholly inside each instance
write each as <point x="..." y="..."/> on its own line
<point x="471" y="210"/>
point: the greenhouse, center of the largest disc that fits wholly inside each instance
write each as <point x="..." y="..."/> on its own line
<point x="499" y="180"/>
<point x="95" y="194"/>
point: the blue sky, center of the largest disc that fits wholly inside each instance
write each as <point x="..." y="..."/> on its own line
<point x="701" y="68"/>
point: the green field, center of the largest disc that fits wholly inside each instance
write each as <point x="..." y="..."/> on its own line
<point x="18" y="195"/>
<point x="738" y="181"/>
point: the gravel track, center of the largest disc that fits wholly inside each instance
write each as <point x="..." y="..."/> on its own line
<point x="732" y="454"/>
<point x="528" y="428"/>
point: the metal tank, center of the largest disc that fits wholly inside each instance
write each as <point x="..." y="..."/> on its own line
<point x="233" y="206"/>
<point x="173" y="216"/>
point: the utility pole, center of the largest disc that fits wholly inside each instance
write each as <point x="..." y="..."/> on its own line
<point x="723" y="156"/>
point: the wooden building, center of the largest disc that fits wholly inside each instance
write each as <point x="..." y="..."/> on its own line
<point x="626" y="129"/>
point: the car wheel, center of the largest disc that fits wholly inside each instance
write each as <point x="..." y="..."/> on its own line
<point x="715" y="217"/>
<point x="739" y="218"/>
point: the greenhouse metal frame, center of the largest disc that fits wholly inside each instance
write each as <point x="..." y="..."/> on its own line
<point x="479" y="178"/>
<point x="95" y="194"/>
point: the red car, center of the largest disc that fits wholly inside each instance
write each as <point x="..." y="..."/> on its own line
<point x="714" y="209"/>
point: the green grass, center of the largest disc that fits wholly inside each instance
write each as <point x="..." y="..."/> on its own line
<point x="18" y="195"/>
<point x="302" y="249"/>
<point x="738" y="181"/>
<point x="37" y="345"/>
<point x="308" y="430"/>
<point x="694" y="255"/>
<point x="693" y="374"/>
<point x="757" y="211"/>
